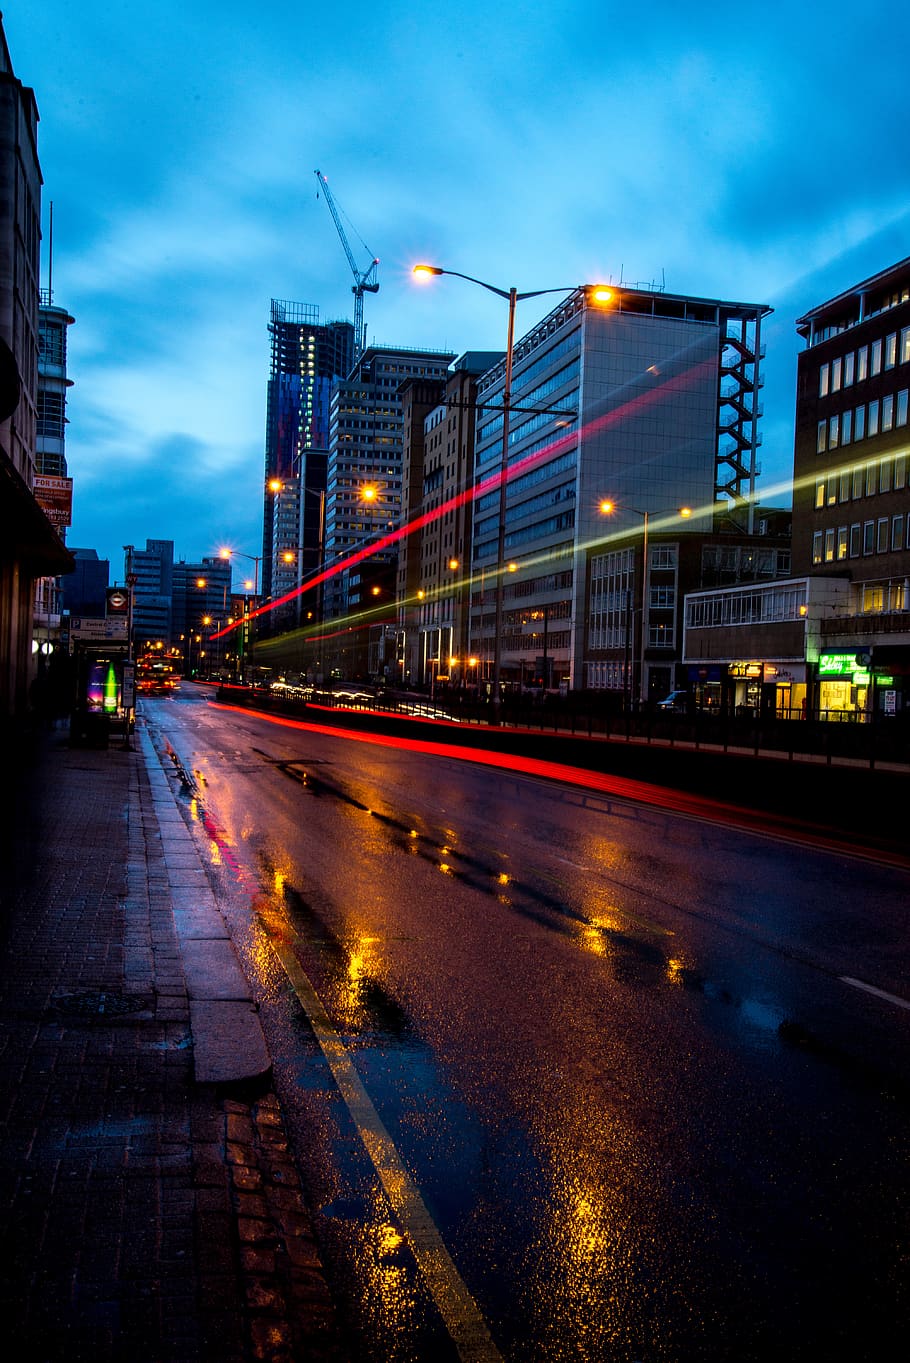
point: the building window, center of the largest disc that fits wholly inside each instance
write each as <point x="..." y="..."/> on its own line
<point x="846" y="427"/>
<point x="872" y="427"/>
<point x="829" y="546"/>
<point x="832" y="489"/>
<point x="900" y="418"/>
<point x="862" y="363"/>
<point x="891" y="350"/>
<point x="876" y="366"/>
<point x="859" y="423"/>
<point x="841" y="542"/>
<point x="817" y="547"/>
<point x="855" y="539"/>
<point x="900" y="471"/>
<point x="905" y="345"/>
<point x="849" y="362"/>
<point x="881" y="543"/>
<point x="843" y="493"/>
<point x="857" y="482"/>
<point x="819" y="493"/>
<point x="897" y="532"/>
<point x="873" y="598"/>
<point x="821" y="439"/>
<point x="833" y="431"/>
<point x="868" y="537"/>
<point x="835" y="375"/>
<point x="884" y="476"/>
<point x="823" y="381"/>
<point x="871" y="478"/>
<point x="888" y="412"/>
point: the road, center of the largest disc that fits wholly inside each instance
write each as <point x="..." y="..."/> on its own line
<point x="570" y="1077"/>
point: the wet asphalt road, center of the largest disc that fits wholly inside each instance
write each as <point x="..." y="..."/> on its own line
<point x="609" y="1070"/>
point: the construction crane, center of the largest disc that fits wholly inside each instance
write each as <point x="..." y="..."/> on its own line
<point x="365" y="281"/>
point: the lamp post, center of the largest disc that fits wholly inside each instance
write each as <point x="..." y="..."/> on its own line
<point x="600" y="294"/>
<point x="608" y="508"/>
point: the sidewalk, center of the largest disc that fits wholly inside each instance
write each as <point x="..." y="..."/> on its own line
<point x="151" y="1210"/>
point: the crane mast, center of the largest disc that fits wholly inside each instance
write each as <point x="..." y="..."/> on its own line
<point x="365" y="281"/>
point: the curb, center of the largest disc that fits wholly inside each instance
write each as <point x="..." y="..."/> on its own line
<point x="229" y="1045"/>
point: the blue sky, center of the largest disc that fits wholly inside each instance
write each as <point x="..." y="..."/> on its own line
<point x="759" y="156"/>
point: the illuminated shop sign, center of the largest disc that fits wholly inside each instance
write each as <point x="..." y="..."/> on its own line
<point x="853" y="665"/>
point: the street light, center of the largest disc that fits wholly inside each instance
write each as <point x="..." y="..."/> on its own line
<point x="607" y="509"/>
<point x="598" y="293"/>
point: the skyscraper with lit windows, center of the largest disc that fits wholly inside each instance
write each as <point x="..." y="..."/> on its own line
<point x="307" y="358"/>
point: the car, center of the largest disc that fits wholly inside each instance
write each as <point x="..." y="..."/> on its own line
<point x="677" y="702"/>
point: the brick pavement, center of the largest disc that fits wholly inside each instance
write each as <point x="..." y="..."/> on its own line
<point x="145" y="1216"/>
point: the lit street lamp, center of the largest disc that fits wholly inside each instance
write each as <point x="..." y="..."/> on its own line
<point x="598" y="294"/>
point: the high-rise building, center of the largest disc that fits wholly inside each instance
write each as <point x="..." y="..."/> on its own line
<point x="648" y="400"/>
<point x="434" y="584"/>
<point x="53" y="487"/>
<point x="307" y="358"/>
<point x="200" y="608"/>
<point x="152" y="572"/>
<point x="363" y="491"/>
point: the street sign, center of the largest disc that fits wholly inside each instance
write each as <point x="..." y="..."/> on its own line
<point x="97" y="629"/>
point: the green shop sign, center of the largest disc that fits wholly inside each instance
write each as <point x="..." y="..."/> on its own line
<point x="851" y="665"/>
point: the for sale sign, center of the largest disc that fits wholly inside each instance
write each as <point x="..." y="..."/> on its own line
<point x="55" y="497"/>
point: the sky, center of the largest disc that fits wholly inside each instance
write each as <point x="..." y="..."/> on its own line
<point x="759" y="156"/>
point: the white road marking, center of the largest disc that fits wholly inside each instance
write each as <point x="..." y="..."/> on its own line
<point x="879" y="993"/>
<point x="454" y="1302"/>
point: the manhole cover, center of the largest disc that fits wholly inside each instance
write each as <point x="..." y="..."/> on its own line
<point x="100" y="1004"/>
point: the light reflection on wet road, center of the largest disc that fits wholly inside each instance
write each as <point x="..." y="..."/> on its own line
<point x="612" y="1049"/>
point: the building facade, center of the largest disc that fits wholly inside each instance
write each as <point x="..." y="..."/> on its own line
<point x="434" y="563"/>
<point x="851" y="496"/>
<point x="30" y="548"/>
<point x="307" y="359"/>
<point x="363" y="503"/>
<point x="648" y="400"/>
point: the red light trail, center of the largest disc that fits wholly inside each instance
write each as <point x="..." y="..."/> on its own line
<point x="489" y="483"/>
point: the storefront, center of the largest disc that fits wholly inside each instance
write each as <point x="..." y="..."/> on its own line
<point x="847" y="686"/>
<point x="768" y="688"/>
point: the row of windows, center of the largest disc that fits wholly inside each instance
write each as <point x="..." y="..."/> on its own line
<point x="885" y="535"/>
<point x="537" y="395"/>
<point x="537" y="475"/>
<point x="746" y="608"/>
<point x="864" y="363"/>
<point x="860" y="423"/>
<point x="861" y="480"/>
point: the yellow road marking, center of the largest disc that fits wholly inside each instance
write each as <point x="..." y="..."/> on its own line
<point x="454" y="1302"/>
